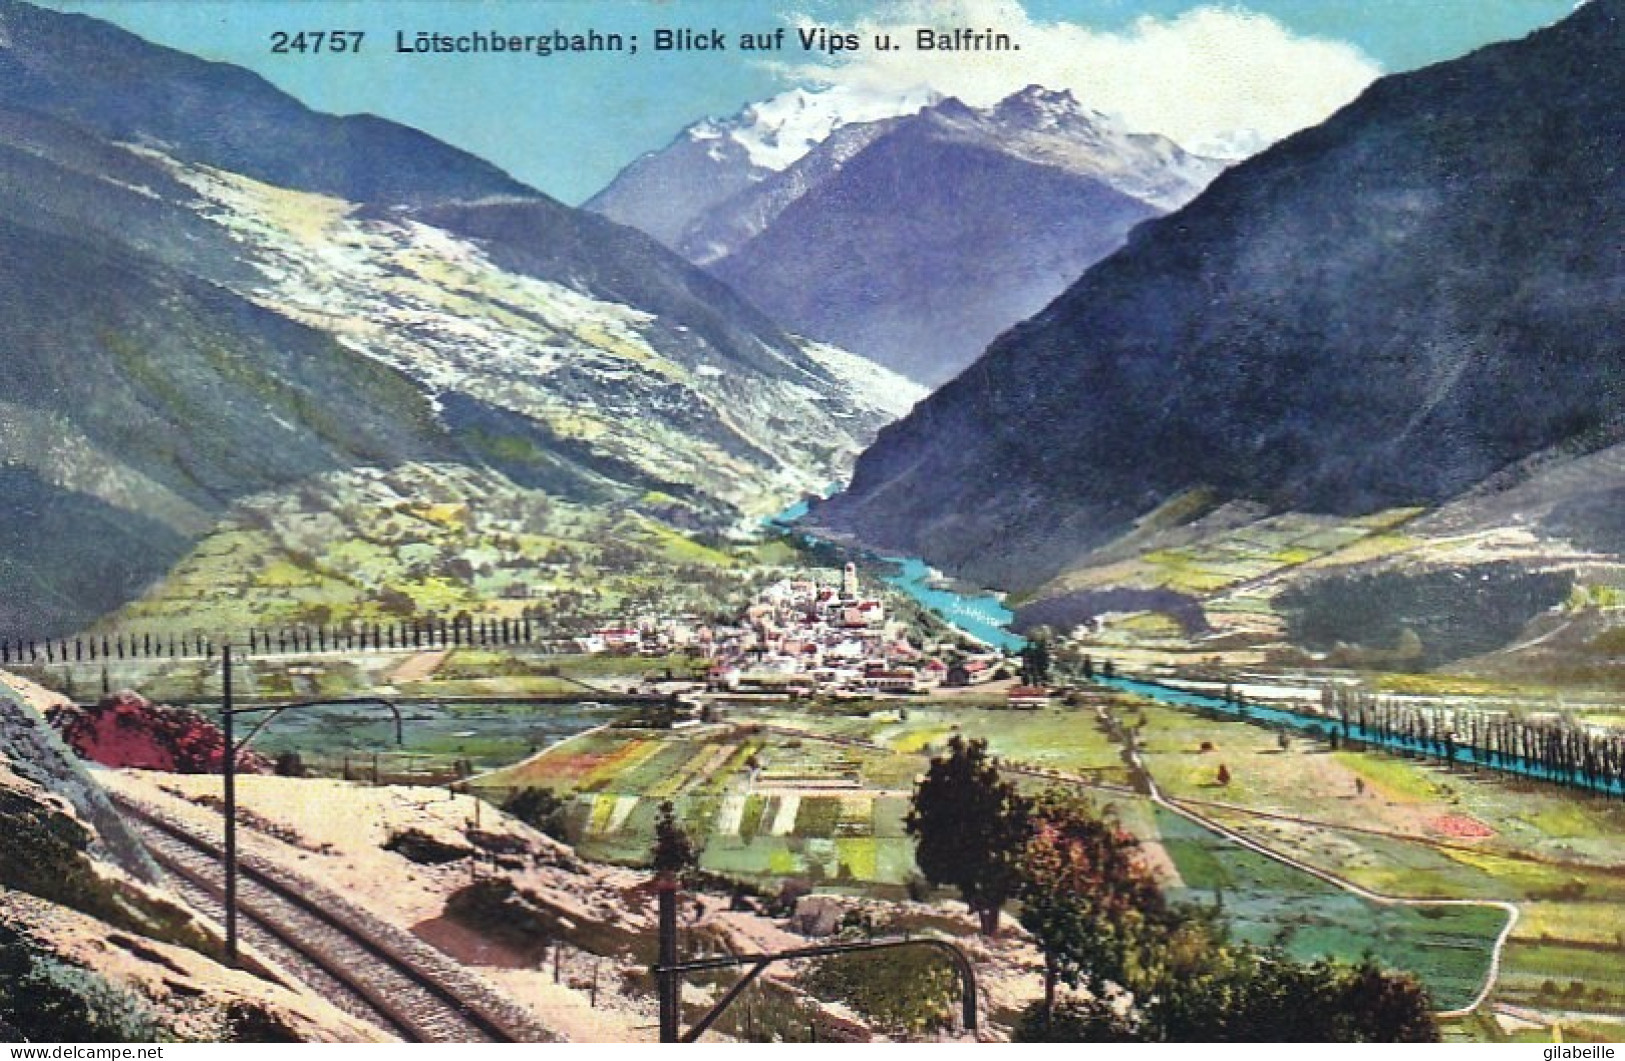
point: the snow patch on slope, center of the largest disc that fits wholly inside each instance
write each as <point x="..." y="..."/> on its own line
<point x="779" y="131"/>
<point x="610" y="376"/>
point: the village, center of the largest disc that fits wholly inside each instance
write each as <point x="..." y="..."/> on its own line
<point x="802" y="637"/>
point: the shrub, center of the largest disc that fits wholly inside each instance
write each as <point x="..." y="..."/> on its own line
<point x="909" y="990"/>
<point x="48" y="1000"/>
<point x="1076" y="1020"/>
<point x="541" y="809"/>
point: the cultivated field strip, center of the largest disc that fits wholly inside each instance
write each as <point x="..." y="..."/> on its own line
<point x="421" y="995"/>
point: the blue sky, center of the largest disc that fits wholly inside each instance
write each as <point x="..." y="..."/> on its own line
<point x="1203" y="73"/>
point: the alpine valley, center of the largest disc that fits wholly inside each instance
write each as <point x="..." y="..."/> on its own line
<point x="433" y="612"/>
<point x="1381" y="360"/>
<point x="217" y="298"/>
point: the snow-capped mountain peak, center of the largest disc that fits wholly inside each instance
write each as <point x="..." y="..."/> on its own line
<point x="778" y="132"/>
<point x="1040" y="110"/>
<point x="714" y="159"/>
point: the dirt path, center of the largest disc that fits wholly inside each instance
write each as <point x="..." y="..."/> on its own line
<point x="418" y="666"/>
<point x="1510" y="909"/>
<point x="1491" y="976"/>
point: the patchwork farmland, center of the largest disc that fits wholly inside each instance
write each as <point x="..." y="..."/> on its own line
<point x="781" y="792"/>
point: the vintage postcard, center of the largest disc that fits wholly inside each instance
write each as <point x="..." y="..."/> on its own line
<point x="867" y="521"/>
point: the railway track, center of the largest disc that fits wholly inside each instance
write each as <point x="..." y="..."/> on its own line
<point x="370" y="969"/>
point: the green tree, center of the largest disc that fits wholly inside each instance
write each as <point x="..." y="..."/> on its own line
<point x="1238" y="993"/>
<point x="1380" y="1005"/>
<point x="674" y="853"/>
<point x="1035" y="657"/>
<point x="971" y="826"/>
<point x="1075" y="1020"/>
<point x="1086" y="895"/>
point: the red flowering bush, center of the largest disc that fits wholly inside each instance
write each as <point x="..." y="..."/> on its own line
<point x="127" y="730"/>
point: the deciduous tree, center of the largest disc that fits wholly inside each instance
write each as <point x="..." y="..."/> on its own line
<point x="971" y="826"/>
<point x="1035" y="657"/>
<point x="1086" y="895"/>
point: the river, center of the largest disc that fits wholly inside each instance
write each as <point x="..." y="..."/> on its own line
<point x="982" y="616"/>
<point x="985" y="618"/>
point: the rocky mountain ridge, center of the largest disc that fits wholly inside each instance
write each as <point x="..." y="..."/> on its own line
<point x="914" y="239"/>
<point x="1387" y="310"/>
<point x="666" y="192"/>
<point x="212" y="292"/>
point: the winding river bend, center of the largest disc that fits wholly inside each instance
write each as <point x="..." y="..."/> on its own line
<point x="981" y="616"/>
<point x="985" y="618"/>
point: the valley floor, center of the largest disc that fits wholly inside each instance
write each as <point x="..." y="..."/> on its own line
<point x="1309" y="848"/>
<point x="1314" y="850"/>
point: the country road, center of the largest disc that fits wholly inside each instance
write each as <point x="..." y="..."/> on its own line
<point x="418" y="666"/>
<point x="1492" y="975"/>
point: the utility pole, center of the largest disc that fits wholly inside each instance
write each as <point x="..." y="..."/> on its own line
<point x="228" y="770"/>
<point x="228" y="767"/>
<point x="668" y="976"/>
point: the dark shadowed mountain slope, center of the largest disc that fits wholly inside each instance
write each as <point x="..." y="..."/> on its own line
<point x="136" y="401"/>
<point x="110" y="82"/>
<point x="924" y="248"/>
<point x="1383" y="310"/>
<point x="732" y="222"/>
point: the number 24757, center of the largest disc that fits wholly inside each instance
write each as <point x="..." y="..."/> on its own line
<point x="331" y="41"/>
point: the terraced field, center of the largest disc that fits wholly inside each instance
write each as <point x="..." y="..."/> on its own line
<point x="1411" y="828"/>
<point x="768" y="805"/>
